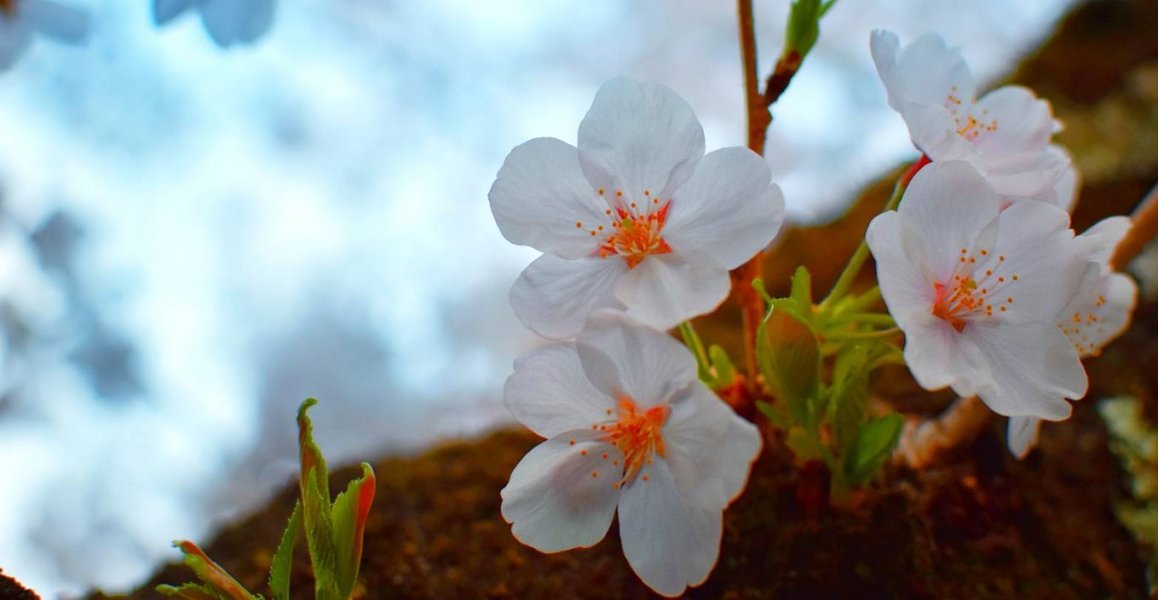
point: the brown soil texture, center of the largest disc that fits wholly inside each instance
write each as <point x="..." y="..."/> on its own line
<point x="979" y="524"/>
<point x="10" y="589"/>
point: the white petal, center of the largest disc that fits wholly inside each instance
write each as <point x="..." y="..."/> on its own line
<point x="1103" y="237"/>
<point x="710" y="449"/>
<point x="553" y="296"/>
<point x="1023" y="122"/>
<point x="727" y="211"/>
<point x="63" y="23"/>
<point x="933" y="131"/>
<point x="949" y="204"/>
<point x="552" y="501"/>
<point x="1043" y="263"/>
<point x="1033" y="367"/>
<point x="14" y="40"/>
<point x="1100" y="311"/>
<point x="540" y="195"/>
<point x="925" y="71"/>
<point x="937" y="359"/>
<point x="550" y="393"/>
<point x="166" y="10"/>
<point x="1064" y="192"/>
<point x="1025" y="174"/>
<point x="622" y="357"/>
<point x="1021" y="435"/>
<point x="637" y="137"/>
<point x="1067" y="186"/>
<point x="663" y="291"/>
<point x="899" y="253"/>
<point x="667" y="542"/>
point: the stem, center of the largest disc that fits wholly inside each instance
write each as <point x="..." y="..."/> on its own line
<point x="852" y="269"/>
<point x="751" y="304"/>
<point x="922" y="441"/>
<point x="863" y="301"/>
<point x="865" y="318"/>
<point x="1142" y="231"/>
<point x="863" y="335"/>
<point x="759" y="118"/>
<point x="693" y="342"/>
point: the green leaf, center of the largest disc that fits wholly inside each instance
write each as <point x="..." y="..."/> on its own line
<point x="874" y="444"/>
<point x="279" y="570"/>
<point x="788" y="354"/>
<point x="191" y="591"/>
<point x="692" y="341"/>
<point x="216" y="578"/>
<point x="802" y="288"/>
<point x="849" y="396"/>
<point x="803" y="26"/>
<point x="319" y="529"/>
<point x="311" y="456"/>
<point x="725" y="370"/>
<point x="350" y="511"/>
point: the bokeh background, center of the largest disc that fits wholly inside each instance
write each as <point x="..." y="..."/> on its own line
<point x="194" y="240"/>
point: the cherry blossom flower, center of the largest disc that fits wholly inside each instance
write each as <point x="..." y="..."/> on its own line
<point x="977" y="291"/>
<point x="636" y="218"/>
<point x="628" y="427"/>
<point x="19" y="19"/>
<point x="1005" y="134"/>
<point x="228" y="22"/>
<point x="1097" y="313"/>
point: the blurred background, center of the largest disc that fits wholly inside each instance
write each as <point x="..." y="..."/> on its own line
<point x="194" y="240"/>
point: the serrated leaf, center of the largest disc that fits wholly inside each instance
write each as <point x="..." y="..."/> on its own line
<point x="788" y="354"/>
<point x="875" y="443"/>
<point x="319" y="529"/>
<point x="191" y="591"/>
<point x="311" y="456"/>
<point x="280" y="568"/>
<point x="350" y="511"/>
<point x="215" y="577"/>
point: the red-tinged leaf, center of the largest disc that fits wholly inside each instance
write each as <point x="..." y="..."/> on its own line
<point x="351" y="510"/>
<point x="311" y="456"/>
<point x="212" y="573"/>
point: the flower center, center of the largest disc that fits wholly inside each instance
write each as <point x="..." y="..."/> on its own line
<point x="973" y="293"/>
<point x="635" y="237"/>
<point x="968" y="126"/>
<point x="638" y="436"/>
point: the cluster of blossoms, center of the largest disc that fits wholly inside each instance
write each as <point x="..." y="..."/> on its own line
<point x="996" y="295"/>
<point x="639" y="230"/>
<point x="228" y="22"/>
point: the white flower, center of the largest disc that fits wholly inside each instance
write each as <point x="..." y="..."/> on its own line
<point x="228" y="22"/>
<point x="636" y="218"/>
<point x="19" y="19"/>
<point x="629" y="426"/>
<point x="1005" y="135"/>
<point x="1097" y="313"/>
<point x="977" y="291"/>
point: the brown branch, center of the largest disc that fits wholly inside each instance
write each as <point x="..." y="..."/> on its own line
<point x="924" y="440"/>
<point x="759" y="118"/>
<point x="1142" y="231"/>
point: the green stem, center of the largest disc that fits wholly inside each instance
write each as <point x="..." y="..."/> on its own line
<point x="852" y="269"/>
<point x="693" y="342"/>
<point x="883" y="319"/>
<point x="863" y="335"/>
